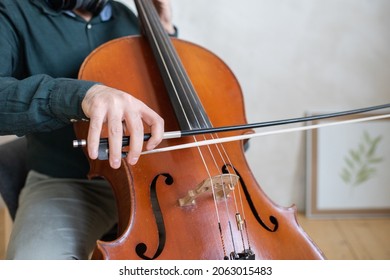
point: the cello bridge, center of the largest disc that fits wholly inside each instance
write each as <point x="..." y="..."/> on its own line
<point x="220" y="185"/>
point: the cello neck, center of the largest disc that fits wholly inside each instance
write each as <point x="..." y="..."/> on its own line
<point x="188" y="108"/>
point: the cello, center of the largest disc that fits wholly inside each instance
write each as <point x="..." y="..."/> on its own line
<point x="198" y="203"/>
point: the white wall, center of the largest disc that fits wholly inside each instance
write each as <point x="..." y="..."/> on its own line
<point x="291" y="56"/>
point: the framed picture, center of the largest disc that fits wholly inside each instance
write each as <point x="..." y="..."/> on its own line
<point x="348" y="169"/>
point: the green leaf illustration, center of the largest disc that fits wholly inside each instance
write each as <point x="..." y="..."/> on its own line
<point x="360" y="162"/>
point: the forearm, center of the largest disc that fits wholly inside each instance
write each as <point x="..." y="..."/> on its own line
<point x="39" y="103"/>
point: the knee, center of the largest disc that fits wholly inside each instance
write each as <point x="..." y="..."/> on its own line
<point x="43" y="251"/>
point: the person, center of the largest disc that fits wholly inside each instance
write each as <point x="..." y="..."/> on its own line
<point x="43" y="43"/>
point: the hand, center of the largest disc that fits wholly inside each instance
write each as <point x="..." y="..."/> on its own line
<point x="121" y="112"/>
<point x="164" y="9"/>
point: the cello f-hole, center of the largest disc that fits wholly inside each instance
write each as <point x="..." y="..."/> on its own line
<point x="141" y="248"/>
<point x="272" y="219"/>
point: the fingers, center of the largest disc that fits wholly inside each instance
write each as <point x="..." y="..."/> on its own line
<point x="119" y="111"/>
<point x="135" y="129"/>
<point x="95" y="128"/>
<point x="164" y="10"/>
<point x="115" y="134"/>
<point x="96" y="113"/>
<point x="156" y="124"/>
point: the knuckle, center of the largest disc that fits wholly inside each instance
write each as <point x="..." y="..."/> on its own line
<point x="116" y="129"/>
<point x="94" y="126"/>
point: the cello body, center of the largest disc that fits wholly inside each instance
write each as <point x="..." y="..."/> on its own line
<point x="167" y="206"/>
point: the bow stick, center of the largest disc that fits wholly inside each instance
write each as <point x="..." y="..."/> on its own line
<point x="103" y="145"/>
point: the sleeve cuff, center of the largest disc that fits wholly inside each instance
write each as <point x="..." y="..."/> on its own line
<point x="66" y="97"/>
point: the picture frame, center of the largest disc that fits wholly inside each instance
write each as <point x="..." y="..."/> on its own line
<point x="348" y="169"/>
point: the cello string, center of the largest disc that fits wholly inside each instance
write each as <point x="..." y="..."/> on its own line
<point x="187" y="87"/>
<point x="177" y="69"/>
<point x="235" y="199"/>
<point x="168" y="50"/>
<point x="142" y="10"/>
<point x="190" y="90"/>
<point x="178" y="72"/>
<point x="217" y="146"/>
<point x="224" y="193"/>
<point x="273" y="132"/>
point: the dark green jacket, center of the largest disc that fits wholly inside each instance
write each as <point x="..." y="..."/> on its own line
<point x="41" y="51"/>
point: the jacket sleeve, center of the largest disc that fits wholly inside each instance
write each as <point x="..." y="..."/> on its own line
<point x="39" y="103"/>
<point x="33" y="103"/>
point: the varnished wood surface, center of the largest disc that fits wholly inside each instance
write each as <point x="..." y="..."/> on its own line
<point x="350" y="239"/>
<point x="339" y="239"/>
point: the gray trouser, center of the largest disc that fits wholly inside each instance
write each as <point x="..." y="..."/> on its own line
<point x="60" y="218"/>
